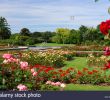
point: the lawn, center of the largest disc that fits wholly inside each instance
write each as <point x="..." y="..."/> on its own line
<point x="52" y="44"/>
<point x="77" y="62"/>
<point x="79" y="87"/>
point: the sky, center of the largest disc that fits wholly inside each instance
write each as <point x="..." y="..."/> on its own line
<point x="47" y="15"/>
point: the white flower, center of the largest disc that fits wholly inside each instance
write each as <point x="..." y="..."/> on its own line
<point x="63" y="85"/>
<point x="5" y="61"/>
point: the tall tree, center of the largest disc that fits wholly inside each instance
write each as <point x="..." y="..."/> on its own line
<point x="5" y="31"/>
<point x="63" y="35"/>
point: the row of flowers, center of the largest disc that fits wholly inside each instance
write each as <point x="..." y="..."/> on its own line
<point x="84" y="48"/>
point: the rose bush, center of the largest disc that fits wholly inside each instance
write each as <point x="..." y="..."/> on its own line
<point x="44" y="58"/>
<point x="17" y="73"/>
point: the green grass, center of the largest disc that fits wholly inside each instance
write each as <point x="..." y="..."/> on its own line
<point x="78" y="62"/>
<point x="52" y="44"/>
<point x="80" y="87"/>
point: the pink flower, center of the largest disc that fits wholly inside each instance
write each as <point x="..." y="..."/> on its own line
<point x="57" y="83"/>
<point x="24" y="65"/>
<point x="22" y="87"/>
<point x="48" y="82"/>
<point x="107" y="51"/>
<point x="52" y="83"/>
<point x="7" y="56"/>
<point x="34" y="74"/>
<point x="12" y="60"/>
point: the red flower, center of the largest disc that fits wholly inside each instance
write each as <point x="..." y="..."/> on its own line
<point x="104" y="27"/>
<point x="36" y="66"/>
<point x="71" y="68"/>
<point x="60" y="70"/>
<point x="79" y="72"/>
<point x="85" y="69"/>
<point x="94" y="71"/>
<point x="67" y="71"/>
<point x="62" y="75"/>
<point x="107" y="51"/>
<point x="53" y="76"/>
<point x="54" y="72"/>
<point x="48" y="69"/>
<point x="90" y="73"/>
<point x="107" y="66"/>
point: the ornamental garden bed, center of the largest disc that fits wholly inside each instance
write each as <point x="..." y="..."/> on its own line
<point x="51" y="70"/>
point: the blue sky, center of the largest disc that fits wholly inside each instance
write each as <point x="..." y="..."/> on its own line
<point x="47" y="15"/>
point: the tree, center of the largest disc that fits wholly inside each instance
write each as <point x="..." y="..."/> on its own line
<point x="82" y="31"/>
<point x="5" y="31"/>
<point x="25" y="32"/>
<point x="46" y="36"/>
<point x="62" y="35"/>
<point x="36" y="34"/>
<point x="74" y="37"/>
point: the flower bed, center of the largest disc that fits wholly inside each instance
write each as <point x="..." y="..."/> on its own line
<point x="17" y="74"/>
<point x="83" y="48"/>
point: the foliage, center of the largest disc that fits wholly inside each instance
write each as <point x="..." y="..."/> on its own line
<point x="49" y="87"/>
<point x="62" y="35"/>
<point x="25" y="32"/>
<point x="84" y="34"/>
<point x="30" y="41"/>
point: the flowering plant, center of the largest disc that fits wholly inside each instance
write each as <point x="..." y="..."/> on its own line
<point x="105" y="28"/>
<point x="44" y="58"/>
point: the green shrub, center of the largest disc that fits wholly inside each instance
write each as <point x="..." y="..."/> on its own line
<point x="30" y="41"/>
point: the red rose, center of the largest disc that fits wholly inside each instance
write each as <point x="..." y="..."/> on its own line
<point x="104" y="27"/>
<point x="107" y="66"/>
<point x="85" y="69"/>
<point x="90" y="73"/>
<point x="79" y="72"/>
<point x="94" y="71"/>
